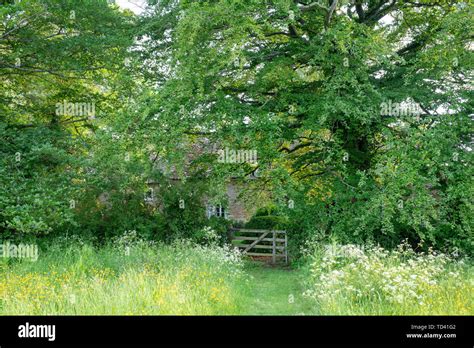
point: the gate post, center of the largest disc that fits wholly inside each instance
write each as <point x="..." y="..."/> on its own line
<point x="274" y="248"/>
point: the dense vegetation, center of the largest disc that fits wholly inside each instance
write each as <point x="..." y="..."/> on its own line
<point x="131" y="276"/>
<point x="360" y="113"/>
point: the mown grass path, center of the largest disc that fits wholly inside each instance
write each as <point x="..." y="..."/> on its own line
<point x="275" y="291"/>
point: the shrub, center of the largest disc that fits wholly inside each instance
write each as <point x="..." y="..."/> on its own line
<point x="214" y="233"/>
<point x="266" y="222"/>
<point x="266" y="211"/>
<point x="267" y="218"/>
<point x="181" y="221"/>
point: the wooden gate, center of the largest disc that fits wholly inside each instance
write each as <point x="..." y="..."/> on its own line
<point x="271" y="243"/>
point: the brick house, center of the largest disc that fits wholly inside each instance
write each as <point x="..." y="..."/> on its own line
<point x="235" y="209"/>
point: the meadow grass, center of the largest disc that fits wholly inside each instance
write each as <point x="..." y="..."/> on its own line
<point x="130" y="277"/>
<point x="275" y="291"/>
<point x="181" y="279"/>
<point x="352" y="280"/>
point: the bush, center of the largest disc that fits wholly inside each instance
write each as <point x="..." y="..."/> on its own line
<point x="215" y="233"/>
<point x="266" y="211"/>
<point x="267" y="218"/>
<point x="266" y="222"/>
<point x="181" y="221"/>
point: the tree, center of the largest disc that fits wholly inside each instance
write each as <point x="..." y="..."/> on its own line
<point x="306" y="84"/>
<point x="58" y="63"/>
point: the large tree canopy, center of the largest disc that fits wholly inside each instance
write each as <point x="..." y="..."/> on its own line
<point x="54" y="53"/>
<point x="305" y="84"/>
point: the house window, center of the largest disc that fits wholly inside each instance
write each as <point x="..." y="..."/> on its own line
<point x="150" y="195"/>
<point x="216" y="210"/>
<point x="220" y="211"/>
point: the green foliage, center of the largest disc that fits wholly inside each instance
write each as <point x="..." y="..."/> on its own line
<point x="267" y="222"/>
<point x="216" y="232"/>
<point x="221" y="227"/>
<point x="418" y="190"/>
<point x="266" y="211"/>
<point x="53" y="52"/>
<point x="183" y="212"/>
<point x="267" y="218"/>
<point x="313" y="84"/>
<point x="35" y="178"/>
<point x="302" y="86"/>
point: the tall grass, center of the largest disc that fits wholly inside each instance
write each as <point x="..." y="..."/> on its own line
<point x="351" y="280"/>
<point x="134" y="277"/>
<point x="124" y="279"/>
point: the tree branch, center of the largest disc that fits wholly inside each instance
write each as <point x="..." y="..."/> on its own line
<point x="330" y="13"/>
<point x="309" y="7"/>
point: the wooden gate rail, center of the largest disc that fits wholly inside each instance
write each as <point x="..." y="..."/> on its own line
<point x="278" y="244"/>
